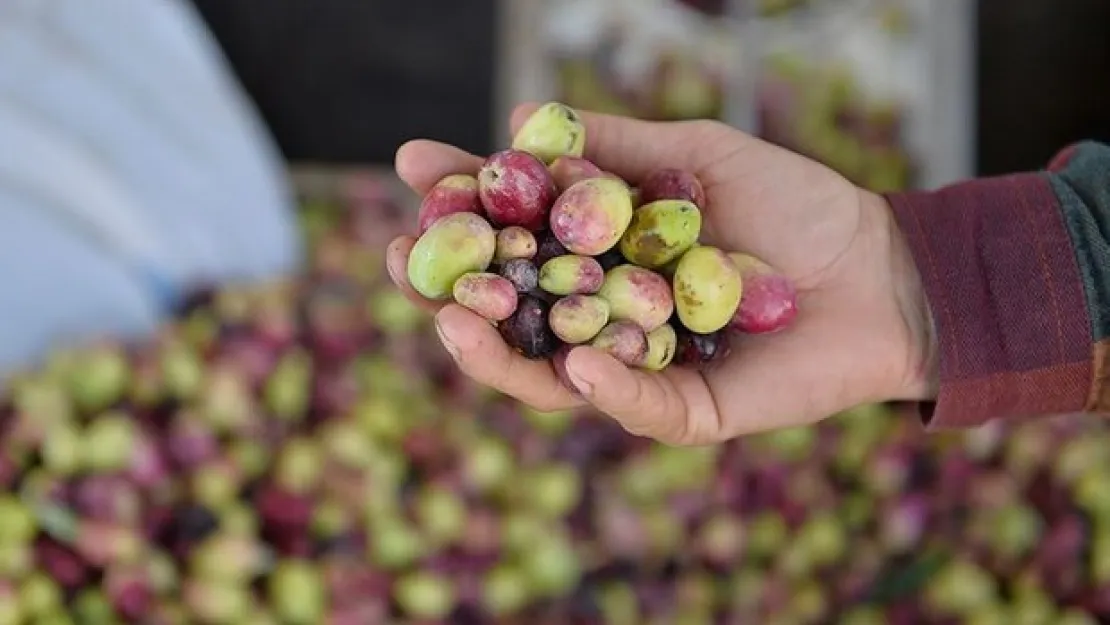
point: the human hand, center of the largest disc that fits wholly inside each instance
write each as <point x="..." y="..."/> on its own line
<point x="861" y="334"/>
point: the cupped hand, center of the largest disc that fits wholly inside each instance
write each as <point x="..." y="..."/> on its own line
<point x="860" y="335"/>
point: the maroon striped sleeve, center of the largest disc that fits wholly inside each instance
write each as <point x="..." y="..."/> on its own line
<point x="1004" y="287"/>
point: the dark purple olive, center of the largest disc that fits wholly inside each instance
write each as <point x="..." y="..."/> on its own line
<point x="548" y="247"/>
<point x="523" y="273"/>
<point x="190" y="524"/>
<point x="699" y="349"/>
<point x="610" y="259"/>
<point x="527" y="330"/>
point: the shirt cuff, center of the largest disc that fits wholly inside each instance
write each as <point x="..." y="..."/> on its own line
<point x="1003" y="284"/>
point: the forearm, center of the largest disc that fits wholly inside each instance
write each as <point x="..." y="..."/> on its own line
<point x="1016" y="274"/>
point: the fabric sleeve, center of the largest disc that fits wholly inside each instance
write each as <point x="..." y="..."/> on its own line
<point x="1016" y="271"/>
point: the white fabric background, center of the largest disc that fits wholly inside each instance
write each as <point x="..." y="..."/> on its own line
<point x="131" y="167"/>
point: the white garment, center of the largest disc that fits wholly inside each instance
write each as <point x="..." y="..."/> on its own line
<point x="58" y="287"/>
<point x="123" y="134"/>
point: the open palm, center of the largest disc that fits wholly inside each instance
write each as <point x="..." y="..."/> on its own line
<point x="858" y="334"/>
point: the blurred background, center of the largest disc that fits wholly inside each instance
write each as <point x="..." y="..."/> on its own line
<point x="216" y="410"/>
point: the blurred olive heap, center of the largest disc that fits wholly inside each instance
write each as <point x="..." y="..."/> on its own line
<point x="804" y="102"/>
<point x="815" y="104"/>
<point x="820" y="112"/>
<point x="654" y="61"/>
<point x="306" y="454"/>
<point x="680" y="87"/>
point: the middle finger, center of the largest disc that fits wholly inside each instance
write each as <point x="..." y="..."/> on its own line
<point x="482" y="354"/>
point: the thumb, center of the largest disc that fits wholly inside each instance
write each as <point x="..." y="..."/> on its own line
<point x="632" y="148"/>
<point x="674" y="407"/>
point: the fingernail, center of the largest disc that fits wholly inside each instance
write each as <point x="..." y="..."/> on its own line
<point x="447" y="344"/>
<point x="584" y="388"/>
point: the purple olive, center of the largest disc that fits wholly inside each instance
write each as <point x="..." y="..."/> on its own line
<point x="522" y="273"/>
<point x="548" y="247"/>
<point x="610" y="259"/>
<point x="129" y="591"/>
<point x="698" y="349"/>
<point x="527" y="330"/>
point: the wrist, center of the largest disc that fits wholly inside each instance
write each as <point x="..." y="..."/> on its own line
<point x="916" y="347"/>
